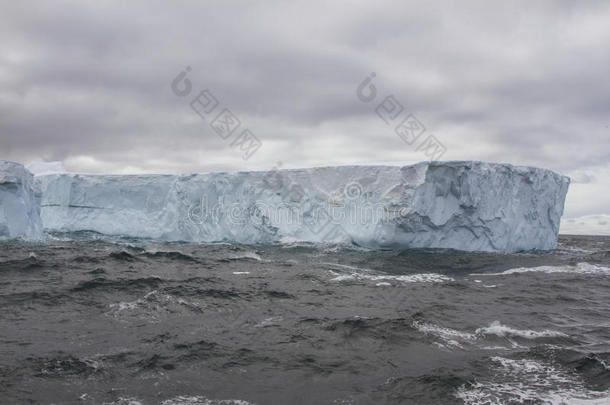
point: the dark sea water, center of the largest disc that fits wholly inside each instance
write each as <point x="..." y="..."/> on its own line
<point x="87" y="320"/>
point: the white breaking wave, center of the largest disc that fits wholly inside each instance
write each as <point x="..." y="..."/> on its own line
<point x="181" y="400"/>
<point x="290" y="241"/>
<point x="452" y="338"/>
<point x="529" y="381"/>
<point x="199" y="400"/>
<point x="413" y="278"/>
<point x="346" y="267"/>
<point x="120" y="401"/>
<point x="580" y="268"/>
<point x="496" y="328"/>
<point x="246" y="255"/>
<point x="271" y="321"/>
<point x="364" y="274"/>
<point x="151" y="305"/>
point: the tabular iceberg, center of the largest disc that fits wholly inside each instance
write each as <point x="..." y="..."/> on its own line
<point x="19" y="202"/>
<point x="472" y="206"/>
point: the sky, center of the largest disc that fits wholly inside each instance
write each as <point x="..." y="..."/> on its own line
<point x="96" y="85"/>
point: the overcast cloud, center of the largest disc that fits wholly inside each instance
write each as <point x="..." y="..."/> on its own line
<point x="525" y="83"/>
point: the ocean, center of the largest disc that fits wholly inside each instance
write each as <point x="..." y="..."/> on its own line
<point x="88" y="319"/>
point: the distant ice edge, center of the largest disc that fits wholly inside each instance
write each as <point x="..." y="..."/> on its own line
<point x="472" y="206"/>
<point x="19" y="202"/>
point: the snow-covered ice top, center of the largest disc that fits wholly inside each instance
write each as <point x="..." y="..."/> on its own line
<point x="42" y="168"/>
<point x="462" y="205"/>
<point x="19" y="202"/>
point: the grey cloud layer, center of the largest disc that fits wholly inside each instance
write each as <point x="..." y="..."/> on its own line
<point x="89" y="83"/>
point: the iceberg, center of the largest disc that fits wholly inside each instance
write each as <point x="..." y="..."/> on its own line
<point x="465" y="205"/>
<point x="19" y="203"/>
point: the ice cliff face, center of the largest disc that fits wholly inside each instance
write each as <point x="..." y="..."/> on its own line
<point x="462" y="205"/>
<point x="19" y="203"/>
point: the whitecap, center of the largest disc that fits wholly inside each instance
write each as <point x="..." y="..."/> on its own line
<point x="272" y="321"/>
<point x="246" y="255"/>
<point x="151" y="304"/>
<point x="496" y="328"/>
<point x="529" y="381"/>
<point x="412" y="278"/>
<point x="125" y="401"/>
<point x="451" y="337"/>
<point x="291" y="241"/>
<point x="342" y="277"/>
<point x="200" y="400"/>
<point x="580" y="268"/>
<point x="364" y="274"/>
<point x="347" y="267"/>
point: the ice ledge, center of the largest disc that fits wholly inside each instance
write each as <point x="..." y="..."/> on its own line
<point x="466" y="205"/>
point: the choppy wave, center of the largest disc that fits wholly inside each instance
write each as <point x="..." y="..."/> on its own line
<point x="180" y="400"/>
<point x="580" y="268"/>
<point x="170" y="255"/>
<point x="245" y="256"/>
<point x="447" y="337"/>
<point x="364" y="274"/>
<point x="120" y="401"/>
<point x="151" y="305"/>
<point x="496" y="328"/>
<point x="199" y="400"/>
<point x="529" y="381"/>
<point x="412" y="278"/>
<point x="89" y="321"/>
